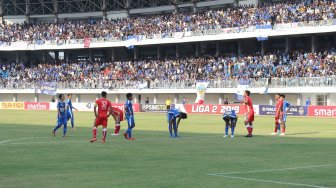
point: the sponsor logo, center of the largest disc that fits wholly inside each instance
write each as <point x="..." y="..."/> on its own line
<point x="12" y="105"/>
<point x="36" y="106"/>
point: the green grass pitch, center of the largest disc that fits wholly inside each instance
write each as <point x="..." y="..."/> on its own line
<point x="31" y="157"/>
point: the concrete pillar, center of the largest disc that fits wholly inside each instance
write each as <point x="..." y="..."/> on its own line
<point x="221" y="98"/>
<point x="55" y="5"/>
<point x="288" y="44"/>
<point x="135" y="98"/>
<point x="217" y="48"/>
<point x="136" y="53"/>
<point x="271" y="99"/>
<point x="104" y="9"/>
<point x="239" y="47"/>
<point x="262" y="50"/>
<point x="36" y="98"/>
<point x="15" y="97"/>
<point x="176" y="10"/>
<point x="328" y="99"/>
<point x="177" y="50"/>
<point x="17" y="56"/>
<point x="194" y="5"/>
<point x="27" y="10"/>
<point x="159" y="54"/>
<point x="90" y="54"/>
<point x="117" y="100"/>
<point x="66" y="56"/>
<point x="313" y="43"/>
<point x="44" y="56"/>
<point x="176" y="98"/>
<point x="78" y="100"/>
<point x="155" y="98"/>
<point x="112" y="54"/>
<point x="299" y="99"/>
<point x="56" y="55"/>
<point x="197" y="50"/>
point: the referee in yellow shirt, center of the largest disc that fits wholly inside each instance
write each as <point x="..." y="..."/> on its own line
<point x="168" y="103"/>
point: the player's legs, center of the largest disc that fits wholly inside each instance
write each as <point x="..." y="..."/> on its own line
<point x="117" y="126"/>
<point x="283" y="126"/>
<point x="175" y="128"/>
<point x="104" y="124"/>
<point x="170" y="129"/>
<point x="64" y="127"/>
<point x="131" y="125"/>
<point x="233" y="125"/>
<point x="58" y="125"/>
<point x="96" y="123"/>
<point x="227" y="124"/>
<point x="72" y="121"/>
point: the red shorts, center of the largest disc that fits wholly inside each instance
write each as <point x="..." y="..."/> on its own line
<point x="250" y="117"/>
<point x="121" y="113"/>
<point x="101" y="120"/>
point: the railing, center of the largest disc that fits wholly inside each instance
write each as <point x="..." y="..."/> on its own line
<point x="198" y="32"/>
<point x="187" y="84"/>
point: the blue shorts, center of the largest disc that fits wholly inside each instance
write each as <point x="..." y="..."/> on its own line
<point x="62" y="121"/>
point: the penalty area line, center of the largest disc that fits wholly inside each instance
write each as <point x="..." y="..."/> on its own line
<point x="267" y="181"/>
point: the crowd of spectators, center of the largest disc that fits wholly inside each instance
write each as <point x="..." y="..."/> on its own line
<point x="166" y="24"/>
<point x="98" y="73"/>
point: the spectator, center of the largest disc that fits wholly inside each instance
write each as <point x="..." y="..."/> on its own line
<point x="308" y="102"/>
<point x="168" y="103"/>
<point x="147" y="100"/>
<point x="184" y="101"/>
<point x="226" y="101"/>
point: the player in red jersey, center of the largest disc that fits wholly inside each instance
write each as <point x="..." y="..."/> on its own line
<point x="104" y="111"/>
<point x="118" y="116"/>
<point x="249" y="115"/>
<point x="276" y="125"/>
<point x="279" y="121"/>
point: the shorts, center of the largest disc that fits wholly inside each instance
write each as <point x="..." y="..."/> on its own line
<point x="62" y="121"/>
<point x="101" y="120"/>
<point x="250" y="117"/>
<point x="281" y="119"/>
<point x="131" y="122"/>
<point x="121" y="114"/>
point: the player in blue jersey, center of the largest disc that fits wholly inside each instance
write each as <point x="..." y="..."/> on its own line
<point x="129" y="116"/>
<point x="173" y="117"/>
<point x="70" y="114"/>
<point x="62" y="108"/>
<point x="230" y="119"/>
<point x="286" y="106"/>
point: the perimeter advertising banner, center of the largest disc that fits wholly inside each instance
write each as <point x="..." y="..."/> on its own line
<point x="36" y="106"/>
<point x="153" y="108"/>
<point x="293" y="110"/>
<point x="322" y="111"/>
<point x="12" y="105"/>
<point x="213" y="109"/>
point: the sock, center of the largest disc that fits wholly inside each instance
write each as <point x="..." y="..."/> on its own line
<point x="129" y="131"/>
<point x="170" y="130"/>
<point x="117" y="129"/>
<point x="94" y="132"/>
<point x="72" y="123"/>
<point x="232" y="129"/>
<point x="283" y="129"/>
<point x="276" y="127"/>
<point x="64" y="129"/>
<point x="251" y="130"/>
<point x="175" y="129"/>
<point x="104" y="133"/>
<point x="226" y="129"/>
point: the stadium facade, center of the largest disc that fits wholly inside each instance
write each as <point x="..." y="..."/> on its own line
<point x="310" y="36"/>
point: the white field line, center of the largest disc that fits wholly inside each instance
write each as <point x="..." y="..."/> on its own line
<point x="273" y="170"/>
<point x="269" y="181"/>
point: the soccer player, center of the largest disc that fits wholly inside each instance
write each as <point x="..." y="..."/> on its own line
<point x="104" y="111"/>
<point x="129" y="116"/>
<point x="285" y="110"/>
<point x="62" y="108"/>
<point x="249" y="115"/>
<point x="278" y="115"/>
<point x="276" y="124"/>
<point x="173" y="116"/>
<point x="230" y="119"/>
<point x="69" y="111"/>
<point x="118" y="116"/>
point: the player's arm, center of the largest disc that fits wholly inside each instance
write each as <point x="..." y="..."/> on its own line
<point x="72" y="107"/>
<point x="95" y="109"/>
<point x="287" y="107"/>
<point x="58" y="111"/>
<point x="178" y="121"/>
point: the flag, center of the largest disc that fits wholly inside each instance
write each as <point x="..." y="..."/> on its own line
<point x="87" y="42"/>
<point x="47" y="88"/>
<point x="200" y="91"/>
<point x="262" y="32"/>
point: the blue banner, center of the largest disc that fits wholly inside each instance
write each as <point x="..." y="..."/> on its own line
<point x="293" y="110"/>
<point x="48" y="88"/>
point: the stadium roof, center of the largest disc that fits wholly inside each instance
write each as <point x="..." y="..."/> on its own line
<point x="47" y="7"/>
